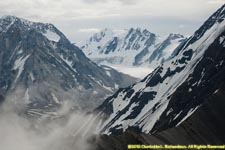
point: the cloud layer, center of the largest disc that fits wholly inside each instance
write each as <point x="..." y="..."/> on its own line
<point x="72" y="16"/>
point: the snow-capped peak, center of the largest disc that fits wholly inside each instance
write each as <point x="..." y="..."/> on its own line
<point x="47" y="29"/>
<point x="13" y="19"/>
<point x="133" y="47"/>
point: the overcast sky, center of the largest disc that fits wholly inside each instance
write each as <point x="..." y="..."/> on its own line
<point x="78" y="19"/>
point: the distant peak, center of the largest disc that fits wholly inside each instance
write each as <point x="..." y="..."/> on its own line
<point x="138" y="29"/>
<point x="47" y="29"/>
<point x="8" y="17"/>
<point x="109" y="32"/>
<point x="11" y="18"/>
<point x="141" y="31"/>
<point x="175" y="36"/>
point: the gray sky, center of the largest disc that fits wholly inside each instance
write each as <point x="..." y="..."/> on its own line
<point x="78" y="19"/>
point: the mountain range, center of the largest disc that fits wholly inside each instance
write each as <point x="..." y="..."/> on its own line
<point x="180" y="102"/>
<point x="134" y="47"/>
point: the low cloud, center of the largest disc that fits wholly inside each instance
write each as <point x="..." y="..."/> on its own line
<point x="184" y="26"/>
<point x="89" y="30"/>
<point x="216" y="2"/>
<point x="129" y="2"/>
<point x="19" y="133"/>
<point x="71" y="16"/>
<point x="68" y="131"/>
<point x="124" y="2"/>
<point x="94" y="1"/>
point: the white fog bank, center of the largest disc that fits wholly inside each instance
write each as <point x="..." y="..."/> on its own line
<point x="138" y="72"/>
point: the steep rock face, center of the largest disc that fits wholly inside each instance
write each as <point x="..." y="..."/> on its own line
<point x="174" y="90"/>
<point x="204" y="127"/>
<point x="133" y="47"/>
<point x="40" y="68"/>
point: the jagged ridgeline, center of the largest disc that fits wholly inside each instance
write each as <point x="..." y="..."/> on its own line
<point x="133" y="47"/>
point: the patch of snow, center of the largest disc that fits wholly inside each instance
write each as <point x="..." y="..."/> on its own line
<point x="153" y="118"/>
<point x="108" y="73"/>
<point x="216" y="91"/>
<point x="189" y="90"/>
<point x="55" y="99"/>
<point x="138" y="72"/>
<point x="69" y="63"/>
<point x="171" y="47"/>
<point x="26" y="96"/>
<point x="169" y="111"/>
<point x="32" y="76"/>
<point x="20" y="51"/>
<point x="95" y="92"/>
<point x="107" y="88"/>
<point x="52" y="36"/>
<point x="116" y="86"/>
<point x="19" y="64"/>
<point x="194" y="84"/>
<point x="177" y="115"/>
<point x="221" y="39"/>
<point x="119" y="103"/>
<point x="101" y="84"/>
<point x="191" y="111"/>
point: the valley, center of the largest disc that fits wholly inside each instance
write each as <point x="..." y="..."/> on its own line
<point x="117" y="87"/>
